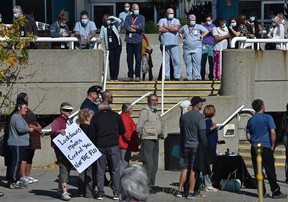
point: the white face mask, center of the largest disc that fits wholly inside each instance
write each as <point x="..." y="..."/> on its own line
<point x="170" y="16"/>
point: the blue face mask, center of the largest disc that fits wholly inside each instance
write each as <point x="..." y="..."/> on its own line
<point x="251" y="19"/>
<point x="109" y="22"/>
<point x="126" y="9"/>
<point x="0" y="20"/>
<point x="224" y="25"/>
<point x="233" y="24"/>
<point x="62" y="25"/>
<point x="192" y="22"/>
<point x="136" y="12"/>
<point x="208" y="22"/>
<point x="274" y="24"/>
<point x="170" y="16"/>
<point x="16" y="15"/>
<point x="84" y="21"/>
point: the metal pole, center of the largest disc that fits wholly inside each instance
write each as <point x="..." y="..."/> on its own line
<point x="105" y="72"/>
<point x="163" y="79"/>
<point x="259" y="175"/>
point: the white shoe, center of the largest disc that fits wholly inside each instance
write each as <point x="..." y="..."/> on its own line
<point x="25" y="180"/>
<point x="32" y="179"/>
<point x="65" y="196"/>
<point x="211" y="189"/>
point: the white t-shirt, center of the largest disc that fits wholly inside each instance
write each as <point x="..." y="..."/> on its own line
<point x="217" y="31"/>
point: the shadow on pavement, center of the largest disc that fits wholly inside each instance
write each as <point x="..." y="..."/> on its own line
<point x="41" y="192"/>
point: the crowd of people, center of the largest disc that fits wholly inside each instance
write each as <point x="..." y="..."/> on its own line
<point x="200" y="40"/>
<point x="116" y="136"/>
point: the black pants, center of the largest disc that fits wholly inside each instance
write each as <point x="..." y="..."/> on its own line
<point x="203" y="66"/>
<point x="114" y="62"/>
<point x="269" y="166"/>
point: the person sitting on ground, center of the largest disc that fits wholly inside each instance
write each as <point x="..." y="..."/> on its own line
<point x="85" y="30"/>
<point x="134" y="184"/>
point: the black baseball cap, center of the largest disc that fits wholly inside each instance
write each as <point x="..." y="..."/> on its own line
<point x="196" y="100"/>
<point x="96" y="89"/>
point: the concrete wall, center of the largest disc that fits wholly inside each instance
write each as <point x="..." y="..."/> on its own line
<point x="55" y="76"/>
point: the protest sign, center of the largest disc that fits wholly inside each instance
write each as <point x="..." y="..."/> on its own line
<point x="77" y="147"/>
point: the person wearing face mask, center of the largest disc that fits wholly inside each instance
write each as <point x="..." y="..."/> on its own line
<point x="110" y="34"/>
<point x="124" y="14"/>
<point x="1" y="19"/>
<point x="207" y="49"/>
<point x="85" y="30"/>
<point x="30" y="24"/>
<point x="168" y="28"/>
<point x="134" y="26"/>
<point x="60" y="29"/>
<point x="104" y="131"/>
<point x="253" y="26"/>
<point x="233" y="29"/>
<point x="192" y="35"/>
<point x="277" y="31"/>
<point x="221" y="37"/>
<point x="150" y="128"/>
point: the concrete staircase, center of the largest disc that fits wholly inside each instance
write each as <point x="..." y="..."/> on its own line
<point x="279" y="154"/>
<point x="175" y="91"/>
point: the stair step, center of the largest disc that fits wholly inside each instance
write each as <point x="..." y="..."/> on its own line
<point x="159" y="82"/>
<point x="247" y="147"/>
<point x="166" y="95"/>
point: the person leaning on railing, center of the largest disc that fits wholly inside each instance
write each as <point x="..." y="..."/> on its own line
<point x="59" y="29"/>
<point x="85" y="30"/>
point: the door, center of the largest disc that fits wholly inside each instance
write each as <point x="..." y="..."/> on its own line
<point x="98" y="10"/>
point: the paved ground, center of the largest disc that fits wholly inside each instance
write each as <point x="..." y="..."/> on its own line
<point x="45" y="189"/>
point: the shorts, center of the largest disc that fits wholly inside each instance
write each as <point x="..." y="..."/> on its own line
<point x="189" y="157"/>
<point x="28" y="155"/>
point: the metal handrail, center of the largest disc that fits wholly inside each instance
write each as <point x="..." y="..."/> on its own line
<point x="171" y="108"/>
<point x="163" y="79"/>
<point x="105" y="71"/>
<point x="240" y="109"/>
<point x="246" y="40"/>
<point x="71" y="40"/>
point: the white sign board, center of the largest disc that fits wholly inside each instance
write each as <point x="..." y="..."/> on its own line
<point x="77" y="147"/>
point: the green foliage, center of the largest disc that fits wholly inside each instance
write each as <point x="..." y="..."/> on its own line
<point x="13" y="57"/>
<point x="183" y="21"/>
<point x="150" y="28"/>
<point x="163" y="5"/>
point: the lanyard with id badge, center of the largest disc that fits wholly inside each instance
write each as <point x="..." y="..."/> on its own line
<point x="133" y="22"/>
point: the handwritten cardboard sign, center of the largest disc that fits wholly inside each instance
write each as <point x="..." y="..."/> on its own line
<point x="77" y="147"/>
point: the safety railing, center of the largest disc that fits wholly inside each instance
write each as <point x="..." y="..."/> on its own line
<point x="70" y="40"/>
<point x="283" y="43"/>
<point x="171" y="108"/>
<point x="239" y="110"/>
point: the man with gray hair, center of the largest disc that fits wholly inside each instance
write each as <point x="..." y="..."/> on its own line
<point x="150" y="128"/>
<point x="133" y="184"/>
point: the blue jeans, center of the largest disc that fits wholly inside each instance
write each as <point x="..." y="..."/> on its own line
<point x="133" y="49"/>
<point x="174" y="52"/>
<point x="13" y="169"/>
<point x="112" y="156"/>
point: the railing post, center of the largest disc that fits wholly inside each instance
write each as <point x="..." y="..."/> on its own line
<point x="105" y="71"/>
<point x="163" y="80"/>
<point x="259" y="175"/>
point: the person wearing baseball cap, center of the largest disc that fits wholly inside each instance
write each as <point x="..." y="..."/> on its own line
<point x="193" y="132"/>
<point x="93" y="94"/>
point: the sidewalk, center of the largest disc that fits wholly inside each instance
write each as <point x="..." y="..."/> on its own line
<point x="45" y="189"/>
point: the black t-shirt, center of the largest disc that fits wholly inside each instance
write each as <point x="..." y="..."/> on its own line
<point x="112" y="39"/>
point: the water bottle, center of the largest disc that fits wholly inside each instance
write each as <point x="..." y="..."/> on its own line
<point x="22" y="32"/>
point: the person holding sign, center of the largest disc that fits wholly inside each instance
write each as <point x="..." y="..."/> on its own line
<point x="104" y="132"/>
<point x="58" y="127"/>
<point x="85" y="181"/>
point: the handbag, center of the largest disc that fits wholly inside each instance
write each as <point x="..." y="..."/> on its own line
<point x="232" y="185"/>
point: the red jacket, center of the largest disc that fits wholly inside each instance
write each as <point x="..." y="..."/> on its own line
<point x="128" y="141"/>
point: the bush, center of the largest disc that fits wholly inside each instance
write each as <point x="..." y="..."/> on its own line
<point x="150" y="28"/>
<point x="183" y="21"/>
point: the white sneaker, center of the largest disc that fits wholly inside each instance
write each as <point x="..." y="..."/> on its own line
<point x="32" y="179"/>
<point x="65" y="196"/>
<point x="25" y="180"/>
<point x="211" y="189"/>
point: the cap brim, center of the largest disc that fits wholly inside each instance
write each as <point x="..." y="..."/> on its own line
<point x="67" y="108"/>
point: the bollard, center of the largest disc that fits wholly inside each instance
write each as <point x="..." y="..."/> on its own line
<point x="259" y="175"/>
